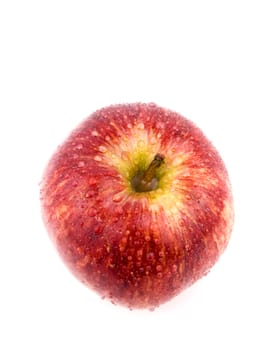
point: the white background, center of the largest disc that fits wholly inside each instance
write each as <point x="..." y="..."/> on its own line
<point x="60" y="61"/>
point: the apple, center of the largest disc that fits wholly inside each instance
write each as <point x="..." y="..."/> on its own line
<point x="138" y="204"/>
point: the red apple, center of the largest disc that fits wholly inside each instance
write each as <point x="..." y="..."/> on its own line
<point x="138" y="203"/>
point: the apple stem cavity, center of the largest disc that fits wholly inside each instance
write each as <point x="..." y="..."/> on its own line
<point x="147" y="181"/>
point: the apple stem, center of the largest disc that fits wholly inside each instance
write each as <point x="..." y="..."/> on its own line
<point x="147" y="181"/>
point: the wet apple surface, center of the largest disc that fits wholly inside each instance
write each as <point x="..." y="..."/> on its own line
<point x="138" y="203"/>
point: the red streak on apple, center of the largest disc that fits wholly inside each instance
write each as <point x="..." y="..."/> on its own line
<point x="137" y="248"/>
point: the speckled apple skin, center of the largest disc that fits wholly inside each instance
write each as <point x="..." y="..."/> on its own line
<point x="137" y="249"/>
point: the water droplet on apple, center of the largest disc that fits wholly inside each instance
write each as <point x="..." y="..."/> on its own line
<point x="160" y="125"/>
<point x="159" y="275"/>
<point x="153" y="141"/>
<point x="140" y="143"/>
<point x="119" y="210"/>
<point x="124" y="155"/>
<point x="139" y="253"/>
<point x="102" y="149"/>
<point x="98" y="158"/>
<point x="150" y="256"/>
<point x="124" y="240"/>
<point x="198" y="195"/>
<point x="97" y="229"/>
<point x="94" y="133"/>
<point x="137" y="233"/>
<point x="92" y="181"/>
<point x="159" y="268"/>
<point x="148" y="268"/>
<point x="181" y="222"/>
<point x="117" y="198"/>
<point x="79" y="146"/>
<point x="174" y="268"/>
<point x="140" y="126"/>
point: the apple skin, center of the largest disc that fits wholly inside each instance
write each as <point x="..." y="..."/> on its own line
<point x="137" y="249"/>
